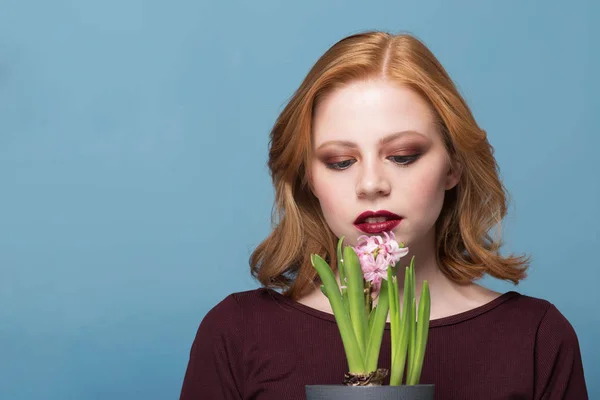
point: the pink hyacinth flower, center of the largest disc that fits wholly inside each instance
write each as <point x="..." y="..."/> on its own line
<point x="392" y="248"/>
<point x="367" y="244"/>
<point x="376" y="255"/>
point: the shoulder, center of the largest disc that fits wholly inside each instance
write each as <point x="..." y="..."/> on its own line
<point x="521" y="307"/>
<point x="558" y="364"/>
<point x="236" y="306"/>
<point x="239" y="318"/>
<point x="218" y="356"/>
<point x="551" y="327"/>
<point x="542" y="311"/>
<point x="528" y="318"/>
<point x="226" y="321"/>
<point x="555" y="328"/>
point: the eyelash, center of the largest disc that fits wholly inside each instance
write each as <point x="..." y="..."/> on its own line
<point x="407" y="160"/>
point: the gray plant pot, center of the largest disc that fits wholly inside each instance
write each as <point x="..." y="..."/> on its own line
<point x="342" y="392"/>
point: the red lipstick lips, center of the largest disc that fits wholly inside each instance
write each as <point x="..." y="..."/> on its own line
<point x="391" y="221"/>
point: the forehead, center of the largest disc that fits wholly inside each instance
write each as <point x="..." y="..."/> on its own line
<point x="366" y="111"/>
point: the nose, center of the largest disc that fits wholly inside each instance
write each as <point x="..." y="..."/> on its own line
<point x="372" y="182"/>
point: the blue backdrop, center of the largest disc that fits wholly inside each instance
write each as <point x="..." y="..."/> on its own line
<point x="133" y="143"/>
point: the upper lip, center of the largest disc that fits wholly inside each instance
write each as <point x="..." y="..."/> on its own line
<point x="373" y="214"/>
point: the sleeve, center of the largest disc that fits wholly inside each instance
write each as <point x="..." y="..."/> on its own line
<point x="558" y="366"/>
<point x="215" y="367"/>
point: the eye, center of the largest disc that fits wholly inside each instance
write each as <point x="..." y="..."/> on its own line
<point x="340" y="165"/>
<point x="404" y="161"/>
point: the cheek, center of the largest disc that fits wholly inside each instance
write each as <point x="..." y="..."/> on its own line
<point x="334" y="198"/>
<point x="329" y="197"/>
<point x="427" y="193"/>
<point x="332" y="208"/>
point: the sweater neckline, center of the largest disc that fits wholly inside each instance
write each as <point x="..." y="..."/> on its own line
<point x="438" y="322"/>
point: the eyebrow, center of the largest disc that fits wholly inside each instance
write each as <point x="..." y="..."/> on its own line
<point x="382" y="141"/>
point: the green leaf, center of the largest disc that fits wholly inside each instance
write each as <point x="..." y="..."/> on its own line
<point x="394" y="310"/>
<point x="354" y="354"/>
<point x="378" y="326"/>
<point x="372" y="318"/>
<point x="398" y="366"/>
<point x="342" y="271"/>
<point x="422" y="333"/>
<point x="412" y="313"/>
<point x="356" y="299"/>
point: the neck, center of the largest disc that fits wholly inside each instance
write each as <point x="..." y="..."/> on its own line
<point x="447" y="297"/>
<point x="426" y="269"/>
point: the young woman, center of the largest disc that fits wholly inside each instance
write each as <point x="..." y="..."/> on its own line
<point x="377" y="138"/>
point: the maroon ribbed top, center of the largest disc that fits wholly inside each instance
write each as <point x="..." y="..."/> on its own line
<point x="261" y="345"/>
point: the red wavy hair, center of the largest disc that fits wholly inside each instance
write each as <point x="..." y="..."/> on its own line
<point x="465" y="249"/>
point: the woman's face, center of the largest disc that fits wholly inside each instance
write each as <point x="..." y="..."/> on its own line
<point x="376" y="146"/>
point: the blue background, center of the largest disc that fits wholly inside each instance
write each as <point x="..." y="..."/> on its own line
<point x="133" y="148"/>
